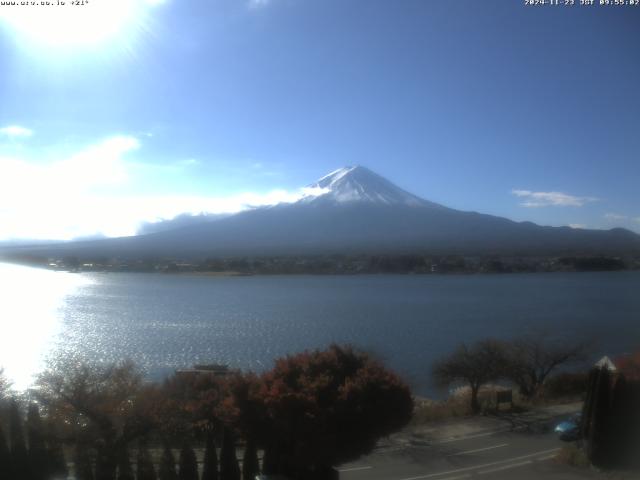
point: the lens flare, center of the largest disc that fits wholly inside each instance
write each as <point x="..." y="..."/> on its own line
<point x="75" y="24"/>
<point x="31" y="299"/>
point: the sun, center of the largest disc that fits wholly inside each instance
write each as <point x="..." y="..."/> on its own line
<point x="76" y="23"/>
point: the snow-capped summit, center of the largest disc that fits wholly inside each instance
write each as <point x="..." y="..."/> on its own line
<point x="359" y="184"/>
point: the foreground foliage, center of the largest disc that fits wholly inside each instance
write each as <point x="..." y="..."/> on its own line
<point x="330" y="407"/>
<point x="312" y="411"/>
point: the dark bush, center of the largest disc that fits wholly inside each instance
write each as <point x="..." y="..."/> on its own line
<point x="167" y="470"/>
<point x="125" y="471"/>
<point x="38" y="458"/>
<point x="19" y="455"/>
<point x="210" y="467"/>
<point x="229" y="469"/>
<point x="144" y="467"/>
<point x="188" y="463"/>
<point x="83" y="463"/>
<point x="5" y="456"/>
<point x="250" y="464"/>
<point x="565" y="385"/>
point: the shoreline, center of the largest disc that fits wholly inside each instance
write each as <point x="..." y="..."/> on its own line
<point x="301" y="272"/>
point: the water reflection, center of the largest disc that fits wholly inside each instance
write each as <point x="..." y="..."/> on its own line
<point x="31" y="300"/>
<point x="165" y="322"/>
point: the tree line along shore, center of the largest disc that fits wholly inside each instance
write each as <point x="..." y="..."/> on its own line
<point x="339" y="264"/>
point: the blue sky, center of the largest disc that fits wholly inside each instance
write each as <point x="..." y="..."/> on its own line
<point x="141" y="109"/>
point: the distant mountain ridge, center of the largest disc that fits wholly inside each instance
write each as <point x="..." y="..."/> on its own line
<point x="180" y="221"/>
<point x="354" y="210"/>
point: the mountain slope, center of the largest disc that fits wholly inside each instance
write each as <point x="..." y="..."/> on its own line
<point x="354" y="210"/>
<point x="180" y="221"/>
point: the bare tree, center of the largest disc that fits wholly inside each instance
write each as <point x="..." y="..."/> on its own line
<point x="97" y="405"/>
<point x="532" y="358"/>
<point x="475" y="365"/>
<point x="5" y="385"/>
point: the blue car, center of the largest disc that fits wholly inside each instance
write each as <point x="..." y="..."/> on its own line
<point x="569" y="430"/>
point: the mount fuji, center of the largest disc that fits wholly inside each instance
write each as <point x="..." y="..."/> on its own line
<point x="353" y="210"/>
<point x="360" y="185"/>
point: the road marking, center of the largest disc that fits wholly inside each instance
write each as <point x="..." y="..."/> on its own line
<point x="484" y="465"/>
<point x="354" y="469"/>
<point x="505" y="467"/>
<point x="460" y="439"/>
<point x="548" y="457"/>
<point x="478" y="450"/>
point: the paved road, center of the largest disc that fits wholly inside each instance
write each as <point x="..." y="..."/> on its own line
<point x="523" y="453"/>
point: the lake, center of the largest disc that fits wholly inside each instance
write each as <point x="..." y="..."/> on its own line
<point x="164" y="322"/>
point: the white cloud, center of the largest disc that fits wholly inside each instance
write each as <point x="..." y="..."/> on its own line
<point x="314" y="191"/>
<point x="577" y="225"/>
<point x="81" y="195"/>
<point x="615" y="216"/>
<point x="551" y="199"/>
<point x="115" y="216"/>
<point x="637" y="219"/>
<point x="53" y="200"/>
<point x="16" y="131"/>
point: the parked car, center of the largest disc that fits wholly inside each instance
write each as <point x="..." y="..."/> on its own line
<point x="569" y="430"/>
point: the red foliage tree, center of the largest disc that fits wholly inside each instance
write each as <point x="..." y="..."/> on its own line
<point x="329" y="407"/>
<point x="190" y="401"/>
<point x="243" y="406"/>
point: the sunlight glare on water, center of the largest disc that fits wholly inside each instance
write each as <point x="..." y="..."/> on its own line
<point x="29" y="301"/>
